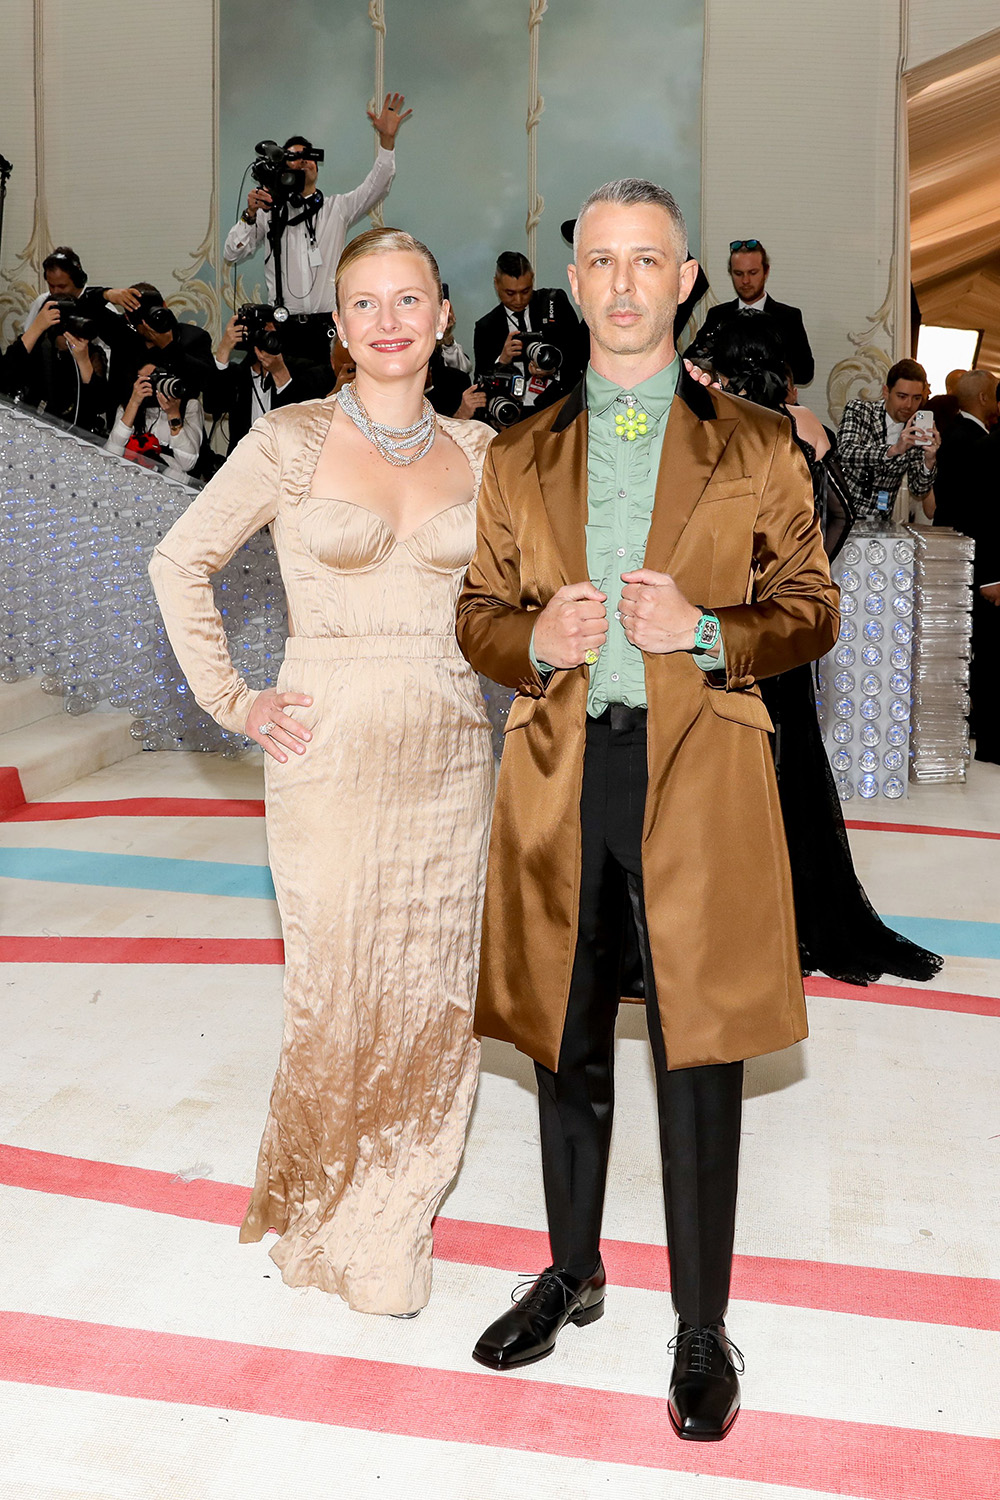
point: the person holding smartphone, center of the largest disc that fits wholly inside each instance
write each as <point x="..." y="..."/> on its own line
<point x="882" y="442"/>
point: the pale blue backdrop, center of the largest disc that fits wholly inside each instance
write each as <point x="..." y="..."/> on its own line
<point x="622" y="90"/>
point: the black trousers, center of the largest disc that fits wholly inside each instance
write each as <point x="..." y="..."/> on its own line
<point x="699" y="1108"/>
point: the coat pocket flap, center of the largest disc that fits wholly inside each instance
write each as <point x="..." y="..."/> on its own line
<point x="743" y="706"/>
<point x="522" y="711"/>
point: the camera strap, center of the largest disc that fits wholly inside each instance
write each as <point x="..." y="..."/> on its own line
<point x="310" y="212"/>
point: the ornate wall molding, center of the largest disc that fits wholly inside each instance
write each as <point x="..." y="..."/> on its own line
<point x="376" y="14"/>
<point x="863" y="373"/>
<point x="536" y="104"/>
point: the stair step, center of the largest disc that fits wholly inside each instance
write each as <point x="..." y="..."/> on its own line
<point x="53" y="752"/>
<point x="24" y="703"/>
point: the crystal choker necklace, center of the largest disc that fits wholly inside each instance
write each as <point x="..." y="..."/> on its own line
<point x="390" y="441"/>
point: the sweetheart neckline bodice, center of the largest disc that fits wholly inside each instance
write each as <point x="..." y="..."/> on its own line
<point x="381" y="521"/>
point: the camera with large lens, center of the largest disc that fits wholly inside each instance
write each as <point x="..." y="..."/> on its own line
<point x="153" y="313"/>
<point x="254" y="318"/>
<point x="73" y="320"/>
<point x="536" y="350"/>
<point x="504" y="392"/>
<point x="168" y="385"/>
<point x="276" y="172"/>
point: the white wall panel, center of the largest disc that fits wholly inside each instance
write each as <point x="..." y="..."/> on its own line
<point x="799" y="147"/>
<point x="129" y="127"/>
<point x="937" y="27"/>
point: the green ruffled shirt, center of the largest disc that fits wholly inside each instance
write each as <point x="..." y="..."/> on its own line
<point x="621" y="486"/>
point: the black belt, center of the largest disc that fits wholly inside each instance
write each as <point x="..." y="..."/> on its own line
<point x="621" y="718"/>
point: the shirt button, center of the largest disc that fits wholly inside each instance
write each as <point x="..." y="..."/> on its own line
<point x="622" y="494"/>
<point x="621" y="551"/>
<point x="614" y="677"/>
<point x="618" y="614"/>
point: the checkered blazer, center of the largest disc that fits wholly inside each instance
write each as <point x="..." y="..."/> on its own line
<point x="861" y="446"/>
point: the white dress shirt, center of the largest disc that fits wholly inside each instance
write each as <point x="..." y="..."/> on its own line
<point x="757" y="306"/>
<point x="263" y="395"/>
<point x="184" y="445"/>
<point x="308" y="263"/>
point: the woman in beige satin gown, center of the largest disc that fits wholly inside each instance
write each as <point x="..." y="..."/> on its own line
<point x="379" y="785"/>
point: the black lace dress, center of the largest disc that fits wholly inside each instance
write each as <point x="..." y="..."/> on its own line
<point x="840" y="933"/>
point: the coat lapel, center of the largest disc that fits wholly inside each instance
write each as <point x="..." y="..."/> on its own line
<point x="561" y="467"/>
<point x="693" y="443"/>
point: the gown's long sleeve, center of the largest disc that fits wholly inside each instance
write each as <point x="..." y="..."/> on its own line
<point x="241" y="499"/>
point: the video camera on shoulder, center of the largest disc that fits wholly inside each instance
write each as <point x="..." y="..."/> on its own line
<point x="504" y="392"/>
<point x="254" y="318"/>
<point x="72" y="320"/>
<point x="273" y="172"/>
<point x="153" y="313"/>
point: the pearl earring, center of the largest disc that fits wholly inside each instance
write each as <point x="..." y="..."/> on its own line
<point x="440" y="336"/>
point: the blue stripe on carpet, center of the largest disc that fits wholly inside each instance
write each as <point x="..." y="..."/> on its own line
<point x="954" y="938"/>
<point x="137" y="872"/>
<point x="208" y="878"/>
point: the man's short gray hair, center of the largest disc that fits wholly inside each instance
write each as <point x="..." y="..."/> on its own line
<point x="629" y="191"/>
<point x="972" y="385"/>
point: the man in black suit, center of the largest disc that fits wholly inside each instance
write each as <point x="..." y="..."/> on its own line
<point x="963" y="456"/>
<point x="749" y="268"/>
<point x="967" y="495"/>
<point x="151" y="331"/>
<point x="265" y="379"/>
<point x="500" y="337"/>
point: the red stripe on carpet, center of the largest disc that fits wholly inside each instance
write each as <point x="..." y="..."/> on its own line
<point x="819" y="987"/>
<point x="16" y="810"/>
<point x="139" y="807"/>
<point x="913" y="1296"/>
<point x="949" y="833"/>
<point x="147" y="950"/>
<point x="11" y="791"/>
<point x="842" y="1458"/>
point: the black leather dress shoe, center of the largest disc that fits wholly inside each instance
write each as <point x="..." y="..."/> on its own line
<point x="529" y="1330"/>
<point x="704" y="1389"/>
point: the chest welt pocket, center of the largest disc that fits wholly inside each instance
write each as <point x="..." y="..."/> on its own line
<point x="740" y="488"/>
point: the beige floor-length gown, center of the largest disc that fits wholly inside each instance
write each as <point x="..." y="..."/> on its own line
<point x="377" y="843"/>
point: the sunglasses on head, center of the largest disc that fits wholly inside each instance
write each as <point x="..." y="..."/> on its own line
<point x="743" y="245"/>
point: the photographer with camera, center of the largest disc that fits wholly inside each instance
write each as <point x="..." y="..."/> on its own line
<point x="57" y="366"/>
<point x="66" y="279"/>
<point x="162" y="423"/>
<point x="303" y="229"/>
<point x="265" y="378"/>
<point x="149" y="330"/>
<point x="527" y="350"/>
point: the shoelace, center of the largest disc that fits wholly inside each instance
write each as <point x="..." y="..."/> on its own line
<point x="700" y="1341"/>
<point x="537" y="1287"/>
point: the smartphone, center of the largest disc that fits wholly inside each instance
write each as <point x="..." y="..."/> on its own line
<point x="923" y="427"/>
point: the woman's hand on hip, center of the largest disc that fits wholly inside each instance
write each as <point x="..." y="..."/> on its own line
<point x="283" y="733"/>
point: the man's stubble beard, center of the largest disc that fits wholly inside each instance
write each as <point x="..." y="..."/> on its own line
<point x="638" y="340"/>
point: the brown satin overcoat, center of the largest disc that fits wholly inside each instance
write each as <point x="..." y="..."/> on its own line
<point x="734" y="524"/>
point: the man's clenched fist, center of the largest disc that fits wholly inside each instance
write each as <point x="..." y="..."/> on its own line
<point x="572" y="623"/>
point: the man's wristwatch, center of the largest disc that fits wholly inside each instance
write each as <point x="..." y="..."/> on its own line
<point x="707" y="632"/>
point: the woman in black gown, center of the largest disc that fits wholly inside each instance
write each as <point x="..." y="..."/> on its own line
<point x="840" y="933"/>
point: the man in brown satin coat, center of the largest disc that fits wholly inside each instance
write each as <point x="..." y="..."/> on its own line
<point x="655" y="821"/>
